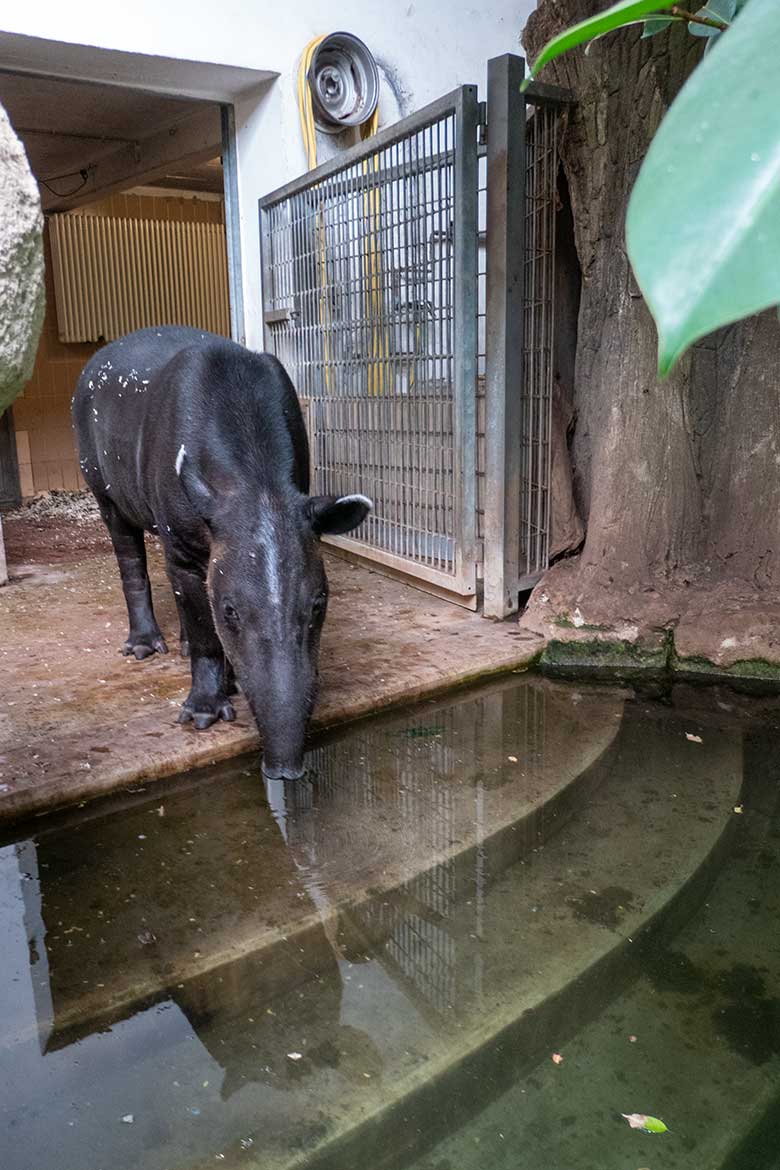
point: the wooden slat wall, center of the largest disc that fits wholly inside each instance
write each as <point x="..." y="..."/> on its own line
<point x="113" y="275"/>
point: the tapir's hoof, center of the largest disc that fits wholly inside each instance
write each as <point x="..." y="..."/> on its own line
<point x="184" y="648"/>
<point x="144" y="645"/>
<point x="220" y="709"/>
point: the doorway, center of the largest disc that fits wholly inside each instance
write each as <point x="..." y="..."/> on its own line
<point x="133" y="195"/>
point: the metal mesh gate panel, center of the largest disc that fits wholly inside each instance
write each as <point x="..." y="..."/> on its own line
<point x="539" y="276"/>
<point x="369" y="274"/>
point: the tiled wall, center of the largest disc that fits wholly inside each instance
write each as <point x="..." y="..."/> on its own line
<point x="44" y="439"/>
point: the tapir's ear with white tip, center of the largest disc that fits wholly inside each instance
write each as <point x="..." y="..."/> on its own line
<point x="335" y="515"/>
<point x="197" y="491"/>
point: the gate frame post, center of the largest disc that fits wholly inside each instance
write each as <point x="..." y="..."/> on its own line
<point x="233" y="224"/>
<point x="504" y="312"/>
<point x="464" y="438"/>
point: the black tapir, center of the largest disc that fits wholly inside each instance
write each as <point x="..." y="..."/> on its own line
<point x="201" y="441"/>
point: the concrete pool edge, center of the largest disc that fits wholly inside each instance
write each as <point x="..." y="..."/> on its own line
<point x="226" y="741"/>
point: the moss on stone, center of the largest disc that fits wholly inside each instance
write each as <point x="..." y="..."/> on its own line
<point x="648" y="658"/>
<point x="619" y="658"/>
<point x="757" y="669"/>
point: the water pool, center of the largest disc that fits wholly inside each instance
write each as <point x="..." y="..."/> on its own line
<point x="476" y="935"/>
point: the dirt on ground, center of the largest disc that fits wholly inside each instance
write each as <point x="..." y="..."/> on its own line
<point x="55" y="528"/>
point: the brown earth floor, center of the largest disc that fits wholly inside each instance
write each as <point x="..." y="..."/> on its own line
<point x="77" y="719"/>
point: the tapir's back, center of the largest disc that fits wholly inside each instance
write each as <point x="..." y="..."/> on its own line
<point x="142" y="398"/>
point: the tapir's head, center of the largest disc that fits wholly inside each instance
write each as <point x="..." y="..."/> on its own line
<point x="269" y="593"/>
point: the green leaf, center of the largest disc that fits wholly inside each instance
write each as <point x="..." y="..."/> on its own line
<point x="625" y="12"/>
<point x="644" y="1122"/>
<point x="703" y="224"/>
<point x="714" y="10"/>
<point x="655" y="26"/>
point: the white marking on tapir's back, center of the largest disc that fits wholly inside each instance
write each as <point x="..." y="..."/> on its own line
<point x="180" y="459"/>
<point x="355" y="499"/>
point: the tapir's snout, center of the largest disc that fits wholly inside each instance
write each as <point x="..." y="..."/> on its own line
<point x="282" y="720"/>
<point x="273" y="771"/>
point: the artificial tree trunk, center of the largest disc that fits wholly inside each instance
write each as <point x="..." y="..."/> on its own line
<point x="677" y="481"/>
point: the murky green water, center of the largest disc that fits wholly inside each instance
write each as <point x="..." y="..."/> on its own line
<point x="375" y="967"/>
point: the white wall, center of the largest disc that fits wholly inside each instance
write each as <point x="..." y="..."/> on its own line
<point x="425" y="47"/>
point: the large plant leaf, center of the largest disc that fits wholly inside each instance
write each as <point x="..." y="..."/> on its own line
<point x="625" y="12"/>
<point x="703" y="225"/>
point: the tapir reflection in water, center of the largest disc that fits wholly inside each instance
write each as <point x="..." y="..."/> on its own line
<point x="201" y="441"/>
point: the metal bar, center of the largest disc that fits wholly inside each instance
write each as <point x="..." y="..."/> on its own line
<point x="386" y="174"/>
<point x="279" y="316"/>
<point x="232" y="224"/>
<point x="506" y="199"/>
<point x="539" y="93"/>
<point x="465" y="339"/>
<point x="266" y="276"/>
<point x="379" y="142"/>
<point x="422" y="577"/>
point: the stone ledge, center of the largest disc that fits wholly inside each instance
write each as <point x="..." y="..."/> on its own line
<point x="728" y="631"/>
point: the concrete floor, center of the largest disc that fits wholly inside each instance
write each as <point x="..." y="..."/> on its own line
<point x="77" y="719"/>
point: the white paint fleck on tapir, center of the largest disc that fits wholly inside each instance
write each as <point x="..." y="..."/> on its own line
<point x="180" y="459"/>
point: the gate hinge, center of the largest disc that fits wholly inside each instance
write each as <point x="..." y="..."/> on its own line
<point x="482" y="127"/>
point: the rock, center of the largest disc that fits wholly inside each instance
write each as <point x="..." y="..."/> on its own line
<point x="22" y="299"/>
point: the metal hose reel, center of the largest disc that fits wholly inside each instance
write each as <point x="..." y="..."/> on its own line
<point x="344" y="82"/>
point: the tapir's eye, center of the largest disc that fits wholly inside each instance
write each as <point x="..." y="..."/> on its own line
<point x="318" y="608"/>
<point x="229" y="611"/>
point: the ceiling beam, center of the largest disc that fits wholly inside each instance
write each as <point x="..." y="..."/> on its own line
<point x="194" y="140"/>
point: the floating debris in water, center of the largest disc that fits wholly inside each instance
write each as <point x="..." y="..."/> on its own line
<point x="512" y="759"/>
<point x="295" y="1055"/>
<point x="739" y="808"/>
<point x="693" y="738"/>
<point x="645" y="1122"/>
<point x="556" y="1058"/>
<point x="128" y="1119"/>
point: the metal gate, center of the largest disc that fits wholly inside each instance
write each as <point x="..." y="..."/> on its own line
<point x="369" y="276"/>
<point x="372" y="300"/>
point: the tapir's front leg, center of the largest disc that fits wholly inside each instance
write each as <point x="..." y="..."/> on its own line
<point x="208" y="699"/>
